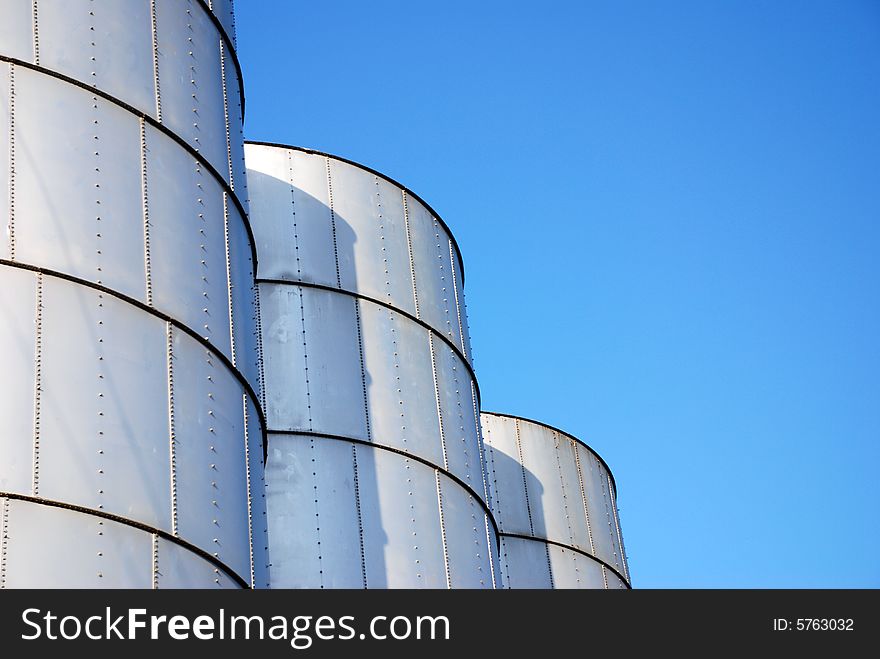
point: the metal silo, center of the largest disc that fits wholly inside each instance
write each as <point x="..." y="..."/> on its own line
<point x="555" y="502"/>
<point x="131" y="447"/>
<point x="375" y="474"/>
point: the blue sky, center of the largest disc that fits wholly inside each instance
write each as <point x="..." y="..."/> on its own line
<point x="670" y="220"/>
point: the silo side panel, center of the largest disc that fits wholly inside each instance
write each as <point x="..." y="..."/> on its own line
<point x="463" y="520"/>
<point x="209" y="474"/>
<point x="507" y="482"/>
<point x="18" y="302"/>
<point x="357" y="218"/>
<point x="313" y="231"/>
<point x="102" y="443"/>
<point x="524" y="564"/>
<point x="314" y="524"/>
<point x="335" y="380"/>
<point x="400" y="387"/>
<point x="190" y="80"/>
<point x="120" y="67"/>
<point x="398" y="284"/>
<point x="187" y="242"/>
<point x="401" y="520"/>
<point x="457" y="411"/>
<point x="16" y="30"/>
<point x="284" y="349"/>
<point x="85" y="552"/>
<point x="73" y="208"/>
<point x="180" y="568"/>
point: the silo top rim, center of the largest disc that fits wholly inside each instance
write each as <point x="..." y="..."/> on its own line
<point x="561" y="432"/>
<point x="365" y="168"/>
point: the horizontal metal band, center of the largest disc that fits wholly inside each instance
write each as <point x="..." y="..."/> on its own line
<point x="561" y="432"/>
<point x="391" y="449"/>
<point x="546" y="541"/>
<point x="163" y="316"/>
<point x="230" y="46"/>
<point x="387" y="305"/>
<point x="130" y="522"/>
<point x="158" y="126"/>
<point x="380" y="175"/>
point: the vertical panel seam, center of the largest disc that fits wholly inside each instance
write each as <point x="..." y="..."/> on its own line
<point x="357" y="501"/>
<point x="258" y="331"/>
<point x="443" y="531"/>
<point x="460" y="411"/>
<point x="11" y="162"/>
<point x="577" y="462"/>
<point x="506" y="569"/>
<point x="481" y="447"/>
<point x="172" y="435"/>
<point x="154" y="30"/>
<point x="302" y="317"/>
<point x="489" y="549"/>
<point x="617" y="526"/>
<point x="232" y="22"/>
<point x="443" y="284"/>
<point x="317" y="498"/>
<point x="556" y="441"/>
<point x="458" y="301"/>
<point x="549" y="565"/>
<point x="607" y="511"/>
<point x="247" y="473"/>
<point x="194" y="87"/>
<point x="4" y="541"/>
<point x="525" y="479"/>
<point x="36" y="30"/>
<point x="229" y="282"/>
<point x="409" y="245"/>
<point x="146" y="207"/>
<point x="226" y="115"/>
<point x="290" y="176"/>
<point x="381" y="218"/>
<point x="360" y="337"/>
<point x="155" y="547"/>
<point x="437" y="401"/>
<point x="396" y="354"/>
<point x="333" y="221"/>
<point x="38" y="356"/>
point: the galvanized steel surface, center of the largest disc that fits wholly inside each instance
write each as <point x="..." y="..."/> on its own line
<point x="350" y="515"/>
<point x="555" y="504"/>
<point x="126" y="277"/>
<point x="367" y="380"/>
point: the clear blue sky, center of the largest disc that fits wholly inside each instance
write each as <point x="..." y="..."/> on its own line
<point x="670" y="220"/>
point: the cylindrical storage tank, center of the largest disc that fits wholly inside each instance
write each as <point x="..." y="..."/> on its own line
<point x="375" y="474"/>
<point x="555" y="502"/>
<point x="131" y="447"/>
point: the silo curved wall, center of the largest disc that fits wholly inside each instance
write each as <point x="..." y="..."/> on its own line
<point x="555" y="503"/>
<point x="126" y="272"/>
<point x="374" y="438"/>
